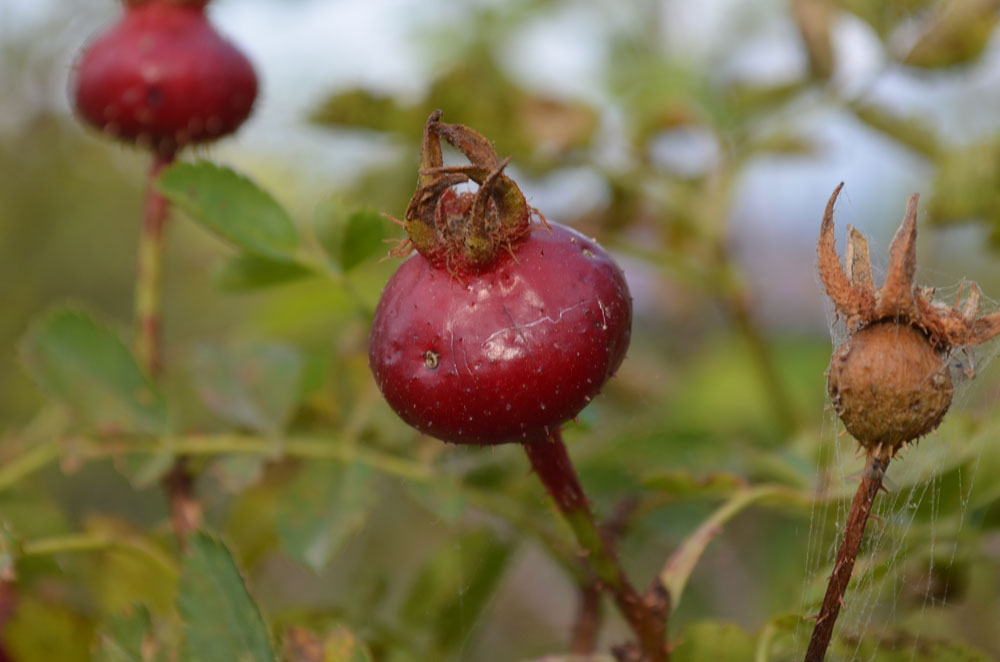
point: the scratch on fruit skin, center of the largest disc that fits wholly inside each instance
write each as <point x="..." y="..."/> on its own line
<point x="519" y="328"/>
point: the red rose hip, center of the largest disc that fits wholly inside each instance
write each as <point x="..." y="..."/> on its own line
<point x="498" y="340"/>
<point x="163" y="77"/>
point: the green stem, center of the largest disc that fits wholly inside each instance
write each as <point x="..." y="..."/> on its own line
<point x="149" y="273"/>
<point x="646" y="616"/>
<point x="178" y="484"/>
<point x="34" y="460"/>
<point x="88" y="542"/>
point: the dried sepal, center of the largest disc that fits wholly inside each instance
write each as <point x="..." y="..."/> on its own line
<point x="464" y="231"/>
<point x="895" y="298"/>
<point x="849" y="301"/>
<point x="858" y="262"/>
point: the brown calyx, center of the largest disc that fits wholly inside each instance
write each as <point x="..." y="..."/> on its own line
<point x="464" y="231"/>
<point x="889" y="385"/>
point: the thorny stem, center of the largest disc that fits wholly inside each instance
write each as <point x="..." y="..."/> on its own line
<point x="861" y="508"/>
<point x="178" y="484"/>
<point x="589" y="614"/>
<point x="647" y="617"/>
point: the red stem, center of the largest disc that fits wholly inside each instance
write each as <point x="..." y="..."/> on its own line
<point x="646" y="617"/>
<point x="861" y="508"/>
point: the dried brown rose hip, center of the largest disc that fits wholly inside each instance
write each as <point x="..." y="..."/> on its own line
<point x="890" y="381"/>
<point x="163" y="77"/>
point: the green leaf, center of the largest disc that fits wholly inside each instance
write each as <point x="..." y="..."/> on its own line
<point x="685" y="484"/>
<point x="127" y="637"/>
<point x="708" y="641"/>
<point x="363" y="237"/>
<point x="339" y="645"/>
<point x="255" y="387"/>
<point x="85" y="366"/>
<point x="351" y="237"/>
<point x="221" y="621"/>
<point x="42" y="630"/>
<point x="455" y="586"/>
<point x="231" y="206"/>
<point x="909" y="131"/>
<point x="322" y="507"/>
<point x="954" y="35"/>
<point x="899" y="646"/>
<point x="364" y="110"/>
<point x="247" y="272"/>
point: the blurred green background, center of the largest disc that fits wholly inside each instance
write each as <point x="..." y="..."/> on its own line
<point x="698" y="142"/>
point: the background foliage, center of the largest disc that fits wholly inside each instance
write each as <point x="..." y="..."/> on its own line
<point x="337" y="533"/>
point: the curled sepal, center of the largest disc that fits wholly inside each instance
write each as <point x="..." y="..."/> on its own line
<point x="850" y="296"/>
<point x="463" y="230"/>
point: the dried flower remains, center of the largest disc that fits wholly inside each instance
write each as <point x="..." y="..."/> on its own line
<point x="890" y="381"/>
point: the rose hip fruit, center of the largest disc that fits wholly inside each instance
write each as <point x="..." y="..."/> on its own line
<point x="163" y="77"/>
<point x="498" y="330"/>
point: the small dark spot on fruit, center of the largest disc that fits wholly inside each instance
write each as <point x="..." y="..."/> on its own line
<point x="431" y="359"/>
<point x="154" y="95"/>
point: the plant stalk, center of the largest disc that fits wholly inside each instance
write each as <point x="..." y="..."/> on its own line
<point x="647" y="617"/>
<point x="178" y="484"/>
<point x="861" y="508"/>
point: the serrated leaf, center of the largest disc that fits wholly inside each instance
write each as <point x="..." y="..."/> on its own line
<point x="322" y="507"/>
<point x="455" y="586"/>
<point x="85" y="366"/>
<point x="255" y="387"/>
<point x="704" y="641"/>
<point x="232" y="206"/>
<point x="221" y="620"/>
<point x="127" y="637"/>
<point x="247" y="272"/>
<point x="339" y="645"/>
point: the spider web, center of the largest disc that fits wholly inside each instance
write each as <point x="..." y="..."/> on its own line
<point x="881" y="577"/>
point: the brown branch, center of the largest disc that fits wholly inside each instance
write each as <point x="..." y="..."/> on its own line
<point x="861" y="508"/>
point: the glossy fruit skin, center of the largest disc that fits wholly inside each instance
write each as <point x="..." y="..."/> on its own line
<point x="162" y="76"/>
<point x="506" y="355"/>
